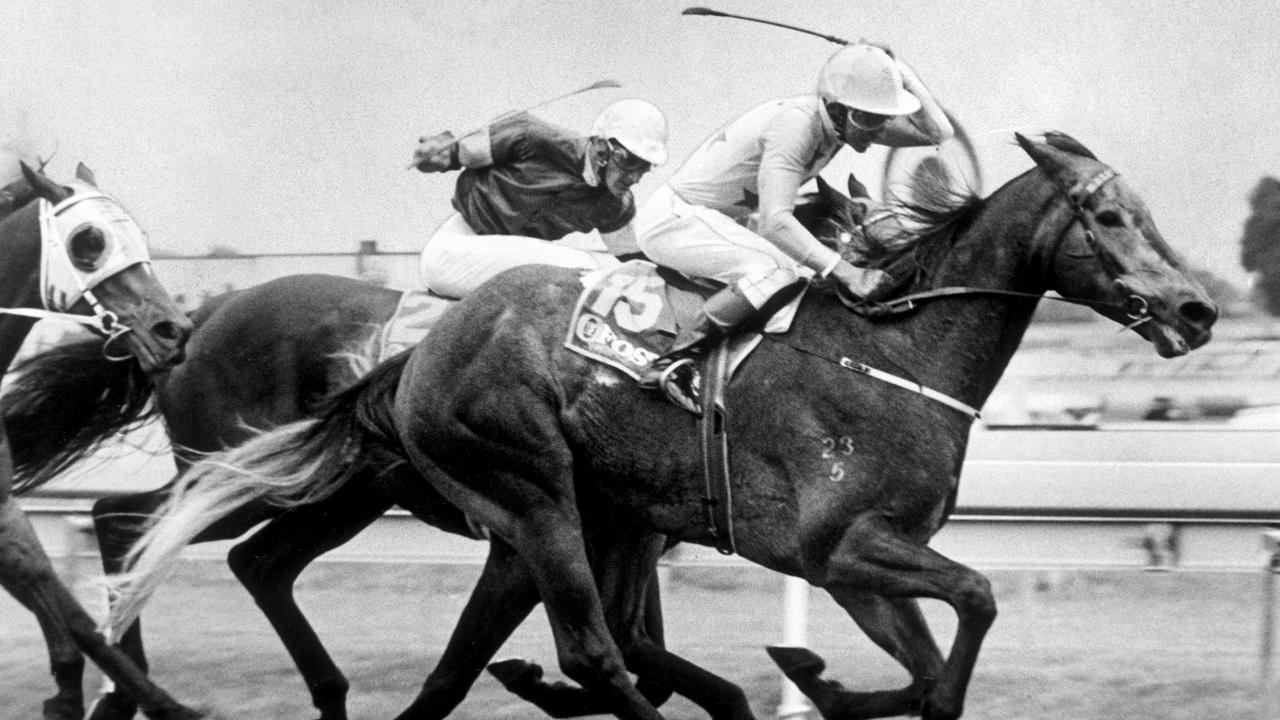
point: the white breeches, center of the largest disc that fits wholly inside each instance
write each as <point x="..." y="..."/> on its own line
<point x="456" y="260"/>
<point x="702" y="242"/>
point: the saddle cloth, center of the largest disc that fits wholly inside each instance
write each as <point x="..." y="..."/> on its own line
<point x="415" y="315"/>
<point x="626" y="317"/>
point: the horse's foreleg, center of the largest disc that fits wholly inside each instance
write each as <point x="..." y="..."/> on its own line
<point x="27" y="572"/>
<point x="899" y="628"/>
<point x="269" y="562"/>
<point x="503" y="597"/>
<point x="117" y="522"/>
<point x="874" y="558"/>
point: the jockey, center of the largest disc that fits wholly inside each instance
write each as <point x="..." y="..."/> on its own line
<point x="525" y="183"/>
<point x="750" y="171"/>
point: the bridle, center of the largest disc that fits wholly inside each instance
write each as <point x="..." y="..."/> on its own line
<point x="54" y="245"/>
<point x="1076" y="195"/>
<point x="1138" y="311"/>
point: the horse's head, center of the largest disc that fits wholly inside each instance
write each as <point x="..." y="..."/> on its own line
<point x="1110" y="252"/>
<point x="95" y="261"/>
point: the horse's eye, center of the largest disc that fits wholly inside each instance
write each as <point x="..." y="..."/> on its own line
<point x="86" y="247"/>
<point x="1109" y="218"/>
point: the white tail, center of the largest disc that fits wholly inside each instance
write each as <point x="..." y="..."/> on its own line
<point x="291" y="465"/>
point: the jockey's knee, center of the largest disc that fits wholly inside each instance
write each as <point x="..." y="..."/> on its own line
<point x="759" y="287"/>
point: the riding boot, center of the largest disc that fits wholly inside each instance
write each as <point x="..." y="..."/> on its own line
<point x="722" y="314"/>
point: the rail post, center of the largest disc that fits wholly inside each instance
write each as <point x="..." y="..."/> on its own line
<point x="1271" y="543"/>
<point x="795" y="623"/>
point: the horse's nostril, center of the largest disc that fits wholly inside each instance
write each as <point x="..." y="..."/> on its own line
<point x="1199" y="313"/>
<point x="170" y="332"/>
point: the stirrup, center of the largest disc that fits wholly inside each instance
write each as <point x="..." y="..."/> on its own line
<point x="680" y="382"/>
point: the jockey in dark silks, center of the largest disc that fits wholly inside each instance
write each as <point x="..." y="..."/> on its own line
<point x="526" y="183"/>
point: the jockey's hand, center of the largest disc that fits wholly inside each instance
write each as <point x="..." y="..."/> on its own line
<point x="866" y="283"/>
<point x="435" y="152"/>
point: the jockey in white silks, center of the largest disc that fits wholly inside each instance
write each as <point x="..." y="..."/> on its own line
<point x="749" y="173"/>
<point x="526" y="184"/>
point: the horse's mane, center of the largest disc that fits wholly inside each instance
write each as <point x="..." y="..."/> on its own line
<point x="936" y="214"/>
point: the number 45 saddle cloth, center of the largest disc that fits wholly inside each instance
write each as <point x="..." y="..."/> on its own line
<point x="628" y="316"/>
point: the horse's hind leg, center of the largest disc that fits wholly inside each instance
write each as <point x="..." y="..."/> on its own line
<point x="563" y="700"/>
<point x="269" y="562"/>
<point x="23" y="570"/>
<point x="627" y="577"/>
<point x="546" y="531"/>
<point x="899" y="628"/>
<point x="115" y="523"/>
<point x="503" y="597"/>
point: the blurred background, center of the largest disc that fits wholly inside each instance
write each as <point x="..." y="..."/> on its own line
<point x="240" y="131"/>
<point x="259" y="139"/>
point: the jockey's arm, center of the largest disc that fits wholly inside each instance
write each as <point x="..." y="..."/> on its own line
<point x="475" y="150"/>
<point x="491" y="145"/>
<point x="786" y="151"/>
<point x="927" y="126"/>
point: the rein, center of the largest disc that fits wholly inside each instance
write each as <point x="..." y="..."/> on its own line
<point x="1138" y="311"/>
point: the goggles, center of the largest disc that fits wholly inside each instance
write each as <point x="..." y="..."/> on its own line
<point x="625" y="161"/>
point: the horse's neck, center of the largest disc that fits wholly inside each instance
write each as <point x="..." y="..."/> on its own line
<point x="19" y="277"/>
<point x="961" y="346"/>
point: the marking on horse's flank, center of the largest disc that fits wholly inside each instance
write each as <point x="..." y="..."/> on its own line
<point x="832" y="447"/>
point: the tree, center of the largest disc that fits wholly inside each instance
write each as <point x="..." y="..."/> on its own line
<point x="1260" y="244"/>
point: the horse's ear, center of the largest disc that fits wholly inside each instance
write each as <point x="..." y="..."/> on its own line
<point x="85" y="174"/>
<point x="826" y="192"/>
<point x="1050" y="159"/>
<point x="1066" y="143"/>
<point x="856" y="188"/>
<point x="42" y="185"/>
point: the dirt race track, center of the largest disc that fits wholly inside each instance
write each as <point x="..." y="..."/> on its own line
<point x="1078" y="646"/>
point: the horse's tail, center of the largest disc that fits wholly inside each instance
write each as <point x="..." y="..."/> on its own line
<point x="65" y="402"/>
<point x="295" y="464"/>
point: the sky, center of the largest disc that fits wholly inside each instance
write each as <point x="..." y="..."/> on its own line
<point x="279" y="126"/>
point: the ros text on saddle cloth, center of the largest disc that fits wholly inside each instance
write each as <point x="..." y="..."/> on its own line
<point x="619" y="321"/>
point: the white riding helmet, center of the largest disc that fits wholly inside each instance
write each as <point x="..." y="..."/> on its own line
<point x="865" y="78"/>
<point x="637" y="125"/>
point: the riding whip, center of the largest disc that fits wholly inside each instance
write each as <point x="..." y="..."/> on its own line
<point x="708" y="12"/>
<point x="597" y="85"/>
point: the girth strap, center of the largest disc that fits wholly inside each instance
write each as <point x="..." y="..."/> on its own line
<point x="717" y="500"/>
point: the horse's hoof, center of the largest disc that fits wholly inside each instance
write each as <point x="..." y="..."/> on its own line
<point x="63" y="708"/>
<point x="112" y="706"/>
<point x="515" y="672"/>
<point x="797" y="663"/>
<point x="182" y="712"/>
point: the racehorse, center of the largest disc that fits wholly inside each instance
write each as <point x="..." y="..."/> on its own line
<point x="262" y="357"/>
<point x="72" y="253"/>
<point x="838" y="477"/>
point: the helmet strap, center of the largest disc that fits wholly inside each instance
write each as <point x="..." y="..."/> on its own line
<point x="839" y="115"/>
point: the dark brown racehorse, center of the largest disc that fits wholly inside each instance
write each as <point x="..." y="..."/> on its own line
<point x="838" y="476"/>
<point x="132" y="306"/>
<point x="262" y="357"/>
